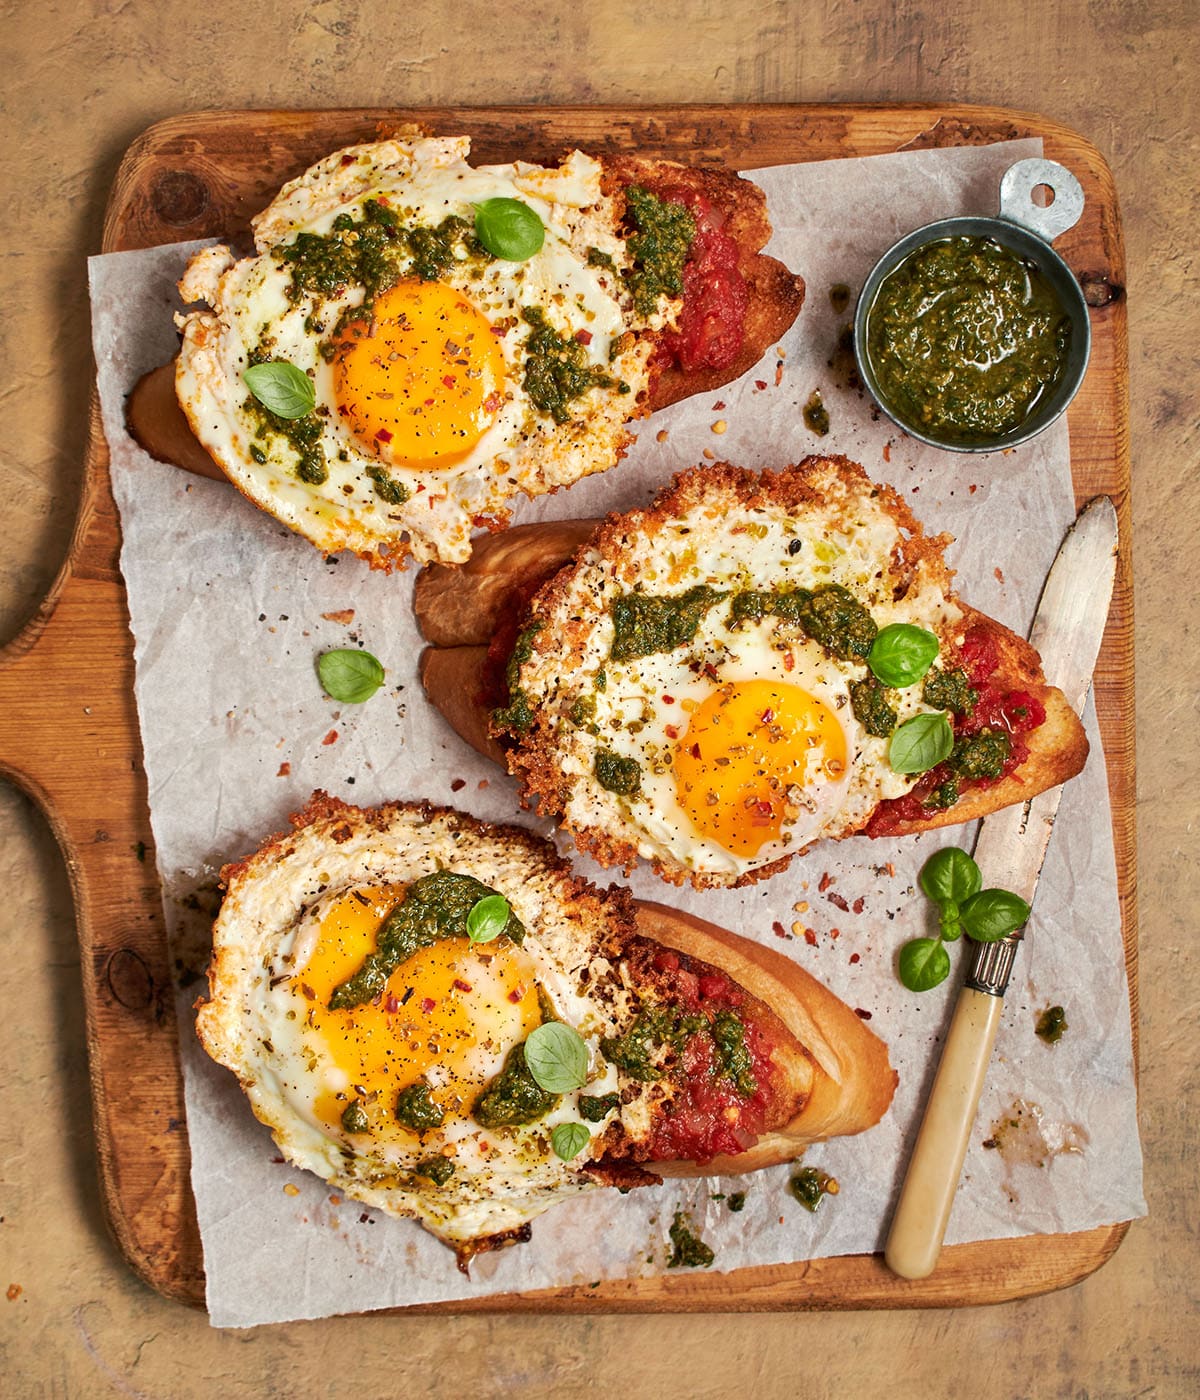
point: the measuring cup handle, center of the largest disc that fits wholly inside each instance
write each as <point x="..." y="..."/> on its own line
<point x="1016" y="197"/>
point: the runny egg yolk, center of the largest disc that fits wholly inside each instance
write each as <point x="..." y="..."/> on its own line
<point x="422" y="381"/>
<point x="754" y="755"/>
<point x="452" y="1008"/>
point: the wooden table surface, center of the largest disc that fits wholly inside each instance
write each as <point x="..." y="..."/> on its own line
<point x="79" y="85"/>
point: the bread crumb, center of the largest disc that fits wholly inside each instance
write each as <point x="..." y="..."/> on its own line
<point x="801" y="906"/>
<point x="662" y="435"/>
<point x="720" y="426"/>
<point x="290" y="1190"/>
<point x="345" y="615"/>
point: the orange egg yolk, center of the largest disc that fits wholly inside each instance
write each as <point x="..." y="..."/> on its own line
<point x="422" y="381"/>
<point x="454" y="1005"/>
<point x="754" y="755"/>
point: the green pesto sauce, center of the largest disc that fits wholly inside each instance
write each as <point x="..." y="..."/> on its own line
<point x="949" y="690"/>
<point x="620" y="775"/>
<point x="556" y="368"/>
<point x="415" y="1108"/>
<point x="965" y="339"/>
<point x="434" y="907"/>
<point x="643" y="624"/>
<point x="653" y="1030"/>
<point x="659" y="247"/>
<point x="583" y="711"/>
<point x="839" y="297"/>
<point x="517" y="715"/>
<point x="303" y="435"/>
<point x="597" y="257"/>
<point x="595" y="1108"/>
<point x="980" y="755"/>
<point x="514" y="1096"/>
<point x="1051" y="1024"/>
<point x="737" y="1201"/>
<point x="374" y="251"/>
<point x="729" y="1036"/>
<point x="868" y="700"/>
<point x="816" y="415"/>
<point x="439" y="1170"/>
<point x="830" y="615"/>
<point x="810" y="1186"/>
<point x="688" y="1250"/>
<point x="943" y="797"/>
<point x="387" y="488"/>
<point x="355" y="1119"/>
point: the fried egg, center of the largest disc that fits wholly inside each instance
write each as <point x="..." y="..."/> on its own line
<point x="304" y="914"/>
<point x="718" y="746"/>
<point x="436" y="380"/>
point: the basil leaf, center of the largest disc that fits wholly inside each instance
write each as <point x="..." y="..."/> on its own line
<point x="923" y="964"/>
<point x="557" y="1058"/>
<point x="992" y="914"/>
<point x="950" y="874"/>
<point x="569" y="1140"/>
<point x="508" y="229"/>
<point x="350" y="675"/>
<point x="281" y="387"/>
<point x="488" y="918"/>
<point x="901" y="654"/>
<point x="920" y="743"/>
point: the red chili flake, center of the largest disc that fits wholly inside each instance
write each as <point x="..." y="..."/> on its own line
<point x="461" y="986"/>
<point x="887" y="451"/>
<point x="499" y="330"/>
<point x="695" y="751"/>
<point x="427" y="1004"/>
<point x="826" y="881"/>
<point x="583" y="337"/>
<point x="789" y="661"/>
<point x="835" y="933"/>
<point x="668" y="699"/>
<point x="857" y="906"/>
<point x="346" y="160"/>
<point x="709" y="670"/>
<point x="492" y="402"/>
<point x="448" y="380"/>
<point x="719" y="405"/>
<point x="838" y="901"/>
<point x="760" y="383"/>
<point x="516" y="994"/>
<point x="999" y="573"/>
<point x="392" y="1005"/>
<point x="383" y="199"/>
<point x="861" y="1014"/>
<point x="810" y="937"/>
<point x="384" y="436"/>
<point x="855" y="958"/>
<point x="330" y="738"/>
<point x="284" y="770"/>
<point x="428" y="403"/>
<point x="779" y="374"/>
<point x="671" y="731"/>
<point x="972" y="489"/>
<point x="458" y="784"/>
<point x="767" y="716"/>
<point x="778" y="929"/>
<point x="420" y="487"/>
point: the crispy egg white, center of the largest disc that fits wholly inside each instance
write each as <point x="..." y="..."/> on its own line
<point x="422" y="423"/>
<point x="744" y="737"/>
<point x="302" y="914"/>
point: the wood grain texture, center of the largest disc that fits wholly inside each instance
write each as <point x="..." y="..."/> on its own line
<point x="70" y="736"/>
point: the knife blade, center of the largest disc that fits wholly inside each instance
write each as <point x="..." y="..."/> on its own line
<point x="1010" y="850"/>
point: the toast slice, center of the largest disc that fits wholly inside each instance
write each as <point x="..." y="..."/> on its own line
<point x="1031" y="739"/>
<point x="732" y="303"/>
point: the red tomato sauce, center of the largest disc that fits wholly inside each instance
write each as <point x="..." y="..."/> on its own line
<point x="1016" y="712"/>
<point x="708" y="1117"/>
<point x="712" y="321"/>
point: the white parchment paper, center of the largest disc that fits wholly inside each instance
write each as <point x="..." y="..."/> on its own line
<point x="228" y="614"/>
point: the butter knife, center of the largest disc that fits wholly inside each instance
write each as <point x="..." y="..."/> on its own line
<point x="1010" y="849"/>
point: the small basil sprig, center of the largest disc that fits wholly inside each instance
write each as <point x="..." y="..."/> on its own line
<point x="921" y="743"/>
<point x="557" y="1057"/>
<point x="569" y="1140"/>
<point x="283" y="388"/>
<point x="509" y="229"/>
<point x="349" y="675"/>
<point x="488" y="918"/>
<point x="952" y="880"/>
<point x="901" y="654"/>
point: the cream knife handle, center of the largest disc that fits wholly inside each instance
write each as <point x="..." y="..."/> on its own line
<point x="919" y="1224"/>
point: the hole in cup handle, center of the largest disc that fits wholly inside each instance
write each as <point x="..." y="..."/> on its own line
<point x="1017" y="203"/>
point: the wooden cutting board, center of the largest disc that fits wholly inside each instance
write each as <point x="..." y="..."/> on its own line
<point x="70" y="737"/>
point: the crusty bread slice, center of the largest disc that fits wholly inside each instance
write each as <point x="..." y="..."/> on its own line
<point x="455" y="671"/>
<point x="775" y="296"/>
